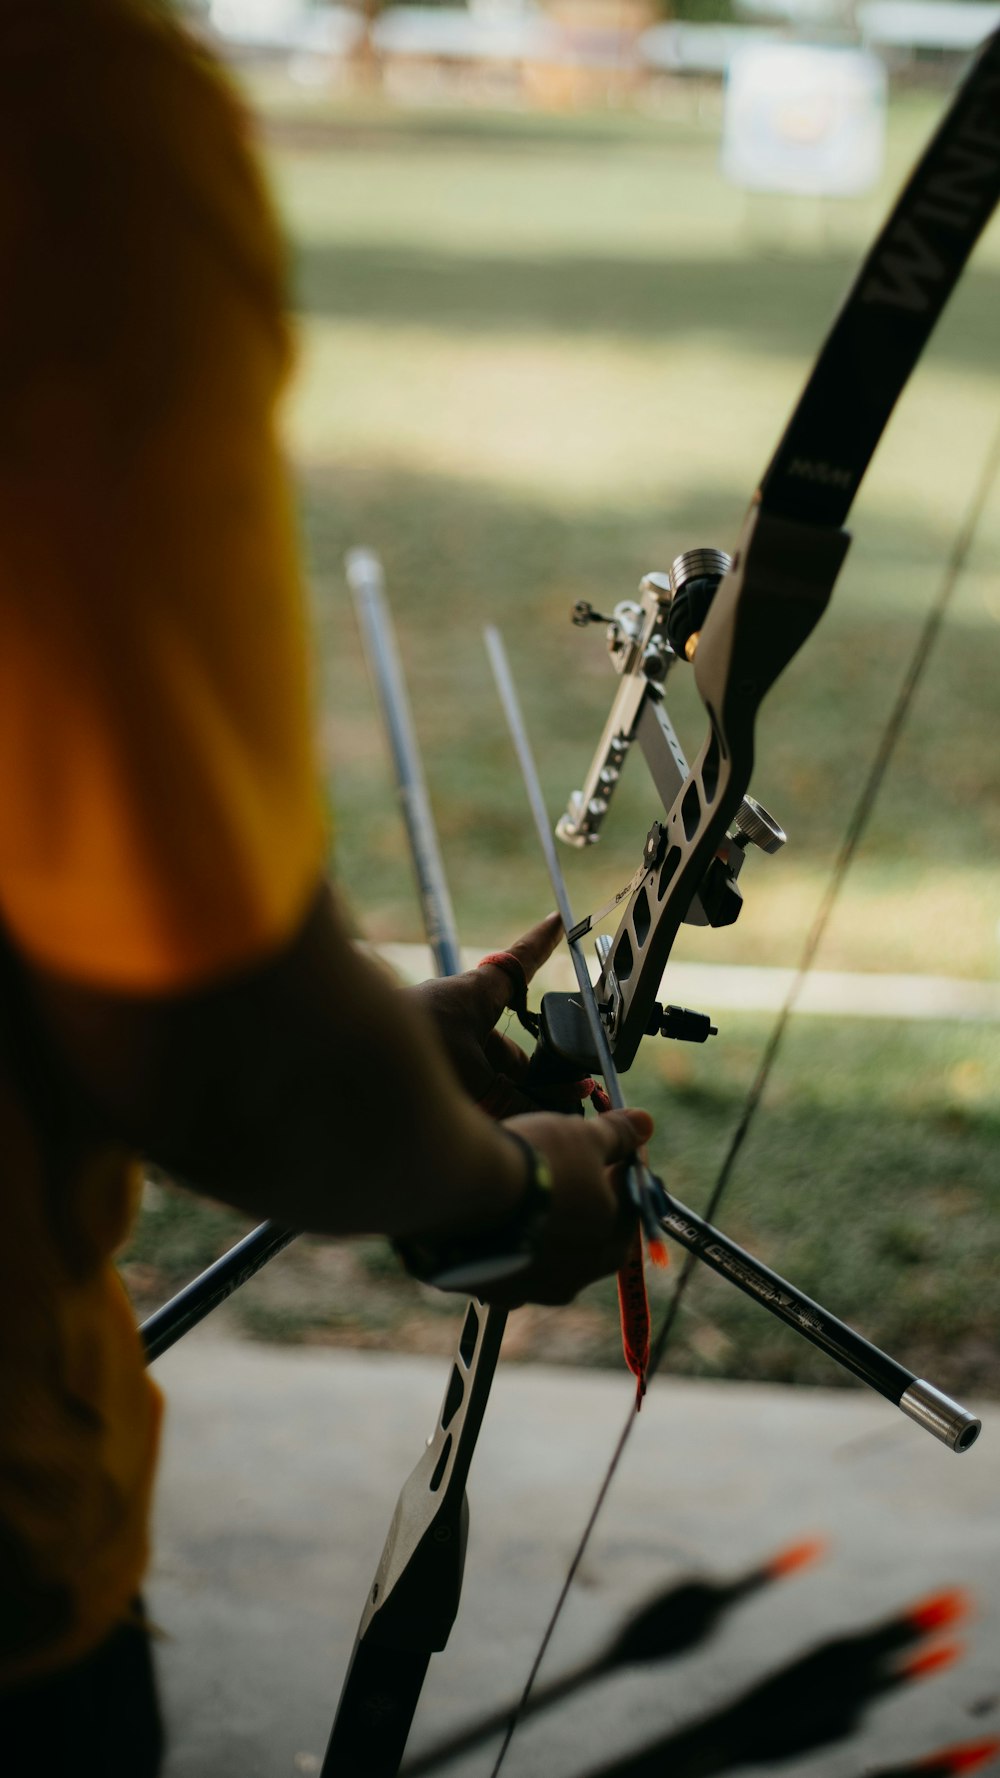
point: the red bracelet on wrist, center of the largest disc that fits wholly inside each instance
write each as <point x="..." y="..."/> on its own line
<point x="513" y="968"/>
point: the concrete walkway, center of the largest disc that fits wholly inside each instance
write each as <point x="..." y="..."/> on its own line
<point x="279" y="1478"/>
<point x="743" y="988"/>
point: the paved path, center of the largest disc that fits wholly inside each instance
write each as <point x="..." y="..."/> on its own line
<point x="742" y="988"/>
<point x="280" y="1474"/>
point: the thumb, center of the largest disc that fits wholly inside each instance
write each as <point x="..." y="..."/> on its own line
<point x="621" y="1133"/>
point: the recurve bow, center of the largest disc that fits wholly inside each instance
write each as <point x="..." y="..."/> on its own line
<point x="738" y="622"/>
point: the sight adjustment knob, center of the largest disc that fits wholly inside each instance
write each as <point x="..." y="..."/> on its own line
<point x="698" y="564"/>
<point x="694" y="577"/>
<point x="755" y="827"/>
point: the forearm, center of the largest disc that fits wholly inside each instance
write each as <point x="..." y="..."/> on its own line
<point x="308" y="1090"/>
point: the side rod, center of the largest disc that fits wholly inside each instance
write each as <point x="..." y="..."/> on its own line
<point x="953" y="1424"/>
<point x="166" y="1326"/>
<point x="367" y="584"/>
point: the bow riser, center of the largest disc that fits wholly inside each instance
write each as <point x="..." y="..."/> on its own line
<point x="767" y="605"/>
<point x="413" y="1600"/>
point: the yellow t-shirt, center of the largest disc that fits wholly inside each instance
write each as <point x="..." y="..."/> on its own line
<point x="160" y="818"/>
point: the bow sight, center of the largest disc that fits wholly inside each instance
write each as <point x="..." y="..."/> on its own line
<point x="738" y="642"/>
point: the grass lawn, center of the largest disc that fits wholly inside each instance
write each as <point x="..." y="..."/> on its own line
<point x="870" y="1180"/>
<point x="539" y="356"/>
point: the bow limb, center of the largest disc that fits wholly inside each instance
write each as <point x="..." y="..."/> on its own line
<point x="742" y="621"/>
<point x="414" y="1597"/>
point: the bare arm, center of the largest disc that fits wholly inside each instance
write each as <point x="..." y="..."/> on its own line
<point x="312" y="1091"/>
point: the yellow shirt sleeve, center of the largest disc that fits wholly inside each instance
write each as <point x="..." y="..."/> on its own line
<point x="160" y="816"/>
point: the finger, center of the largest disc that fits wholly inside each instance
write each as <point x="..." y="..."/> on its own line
<point x="506" y="1056"/>
<point x="621" y="1133"/>
<point x="503" y="1099"/>
<point x="529" y="951"/>
<point x="558" y="1096"/>
<point x="534" y="948"/>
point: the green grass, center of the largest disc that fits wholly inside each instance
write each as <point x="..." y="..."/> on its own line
<point x="540" y="355"/>
<point x="869" y="1179"/>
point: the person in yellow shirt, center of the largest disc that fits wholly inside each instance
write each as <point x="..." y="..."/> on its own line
<point x="175" y="978"/>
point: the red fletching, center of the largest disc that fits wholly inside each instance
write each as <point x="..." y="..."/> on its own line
<point x="933" y="1660"/>
<point x="657" y="1252"/>
<point x="797" y="1555"/>
<point x="633" y="1303"/>
<point x="961" y="1759"/>
<point x="633" y="1308"/>
<point x="940" y="1609"/>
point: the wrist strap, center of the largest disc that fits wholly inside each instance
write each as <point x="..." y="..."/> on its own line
<point x="463" y="1262"/>
<point x="537" y="1170"/>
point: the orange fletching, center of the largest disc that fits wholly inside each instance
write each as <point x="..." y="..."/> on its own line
<point x="933" y="1660"/>
<point x="798" y="1555"/>
<point x="940" y="1609"/>
<point x="963" y="1759"/>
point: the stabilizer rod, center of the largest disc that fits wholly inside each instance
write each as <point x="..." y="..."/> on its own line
<point x="184" y="1311"/>
<point x="954" y="1425"/>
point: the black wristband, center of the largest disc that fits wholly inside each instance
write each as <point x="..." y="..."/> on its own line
<point x="465" y="1262"/>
